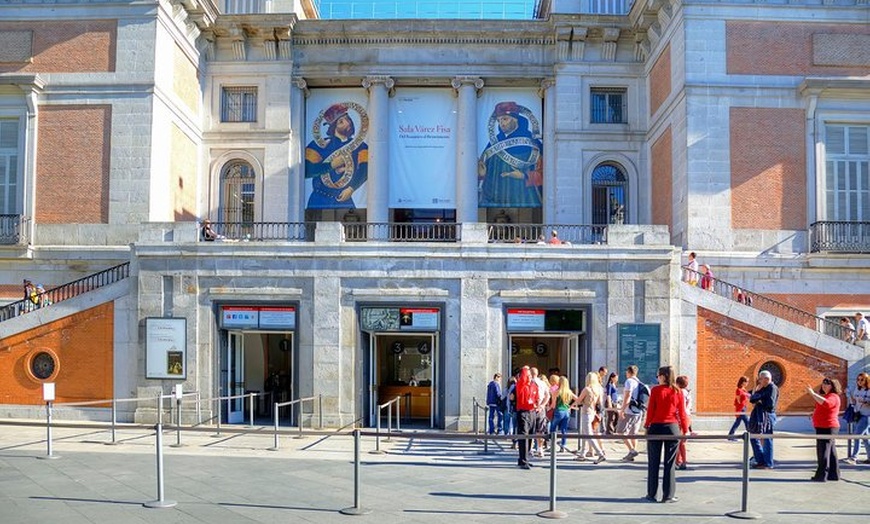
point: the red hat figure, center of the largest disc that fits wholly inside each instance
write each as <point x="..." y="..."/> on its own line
<point x="507" y="108"/>
<point x="335" y="111"/>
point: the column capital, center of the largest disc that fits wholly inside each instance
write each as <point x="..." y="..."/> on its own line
<point x="459" y="81"/>
<point x="386" y="81"/>
<point x="302" y="85"/>
<point x="546" y="84"/>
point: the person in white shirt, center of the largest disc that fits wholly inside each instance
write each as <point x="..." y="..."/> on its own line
<point x="692" y="270"/>
<point x="862" y="328"/>
<point x="541" y="422"/>
<point x="630" y="417"/>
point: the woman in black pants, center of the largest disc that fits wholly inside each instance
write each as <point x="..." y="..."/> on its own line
<point x="666" y="415"/>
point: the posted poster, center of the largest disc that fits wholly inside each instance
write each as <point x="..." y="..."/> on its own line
<point x="166" y="348"/>
<point x="336" y="151"/>
<point x="423" y="149"/>
<point x="510" y="163"/>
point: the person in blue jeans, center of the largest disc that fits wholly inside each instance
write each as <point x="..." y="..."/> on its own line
<point x="861" y="400"/>
<point x="741" y="400"/>
<point x="763" y="418"/>
<point x="560" y="403"/>
<point x="510" y="411"/>
<point x="493" y="401"/>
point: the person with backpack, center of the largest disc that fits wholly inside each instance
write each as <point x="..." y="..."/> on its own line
<point x="635" y="395"/>
<point x="526" y="392"/>
<point x="666" y="416"/>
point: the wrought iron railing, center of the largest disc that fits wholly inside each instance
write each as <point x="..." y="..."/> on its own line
<point x="402" y="231"/>
<point x="66" y="291"/>
<point x="543" y="233"/>
<point x="840" y="237"/>
<point x="13" y="229"/>
<point x="260" y="231"/>
<point x="767" y="305"/>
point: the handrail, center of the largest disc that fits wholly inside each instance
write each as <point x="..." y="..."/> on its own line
<point x="543" y="233"/>
<point x="66" y="291"/>
<point x="260" y="231"/>
<point x="381" y="407"/>
<point x="839" y="236"/>
<point x="767" y="305"/>
<point x="402" y="231"/>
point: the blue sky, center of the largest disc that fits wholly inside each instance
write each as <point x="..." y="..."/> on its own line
<point x="468" y="9"/>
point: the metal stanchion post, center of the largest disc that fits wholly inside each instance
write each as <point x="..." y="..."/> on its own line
<point x="198" y="408"/>
<point x="389" y="422"/>
<point x="320" y="411"/>
<point x="49" y="451"/>
<point x="553" y="513"/>
<point x="160" y="408"/>
<point x="744" y="512"/>
<point x="301" y="418"/>
<point x="218" y="418"/>
<point x="160" y="502"/>
<point x="251" y="410"/>
<point x="177" y="423"/>
<point x="114" y="421"/>
<point x="398" y="414"/>
<point x="356" y="509"/>
<point x="275" y="414"/>
<point x="377" y="450"/>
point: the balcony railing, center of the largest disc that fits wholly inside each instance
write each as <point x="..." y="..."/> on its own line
<point x="66" y="291"/>
<point x="543" y="233"/>
<point x="402" y="232"/>
<point x="840" y="237"/>
<point x="768" y="305"/>
<point x="261" y="231"/>
<point x="13" y="230"/>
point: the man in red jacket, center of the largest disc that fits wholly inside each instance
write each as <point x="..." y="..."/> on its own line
<point x="527" y="401"/>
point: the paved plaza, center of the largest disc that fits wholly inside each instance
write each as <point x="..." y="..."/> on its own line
<point x="234" y="478"/>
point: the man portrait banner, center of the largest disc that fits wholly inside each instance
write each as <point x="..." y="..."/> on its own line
<point x="336" y="157"/>
<point x="509" y="168"/>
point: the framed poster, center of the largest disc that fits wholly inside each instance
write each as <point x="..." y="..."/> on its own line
<point x="166" y="348"/>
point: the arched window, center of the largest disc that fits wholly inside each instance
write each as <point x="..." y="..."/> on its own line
<point x="238" y="192"/>
<point x="609" y="195"/>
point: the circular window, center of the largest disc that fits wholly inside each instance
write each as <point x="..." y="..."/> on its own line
<point x="776" y="372"/>
<point x="42" y="364"/>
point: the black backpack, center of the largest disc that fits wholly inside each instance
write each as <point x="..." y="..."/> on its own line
<point x="641" y="399"/>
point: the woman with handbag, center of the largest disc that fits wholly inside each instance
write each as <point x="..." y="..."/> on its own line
<point x="826" y="421"/>
<point x="588" y="399"/>
<point x="861" y="401"/>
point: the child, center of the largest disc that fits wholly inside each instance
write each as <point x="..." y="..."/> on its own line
<point x="683" y="383"/>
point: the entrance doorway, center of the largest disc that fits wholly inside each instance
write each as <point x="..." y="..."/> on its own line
<point x="257" y="362"/>
<point x="405" y="366"/>
<point x="550" y="353"/>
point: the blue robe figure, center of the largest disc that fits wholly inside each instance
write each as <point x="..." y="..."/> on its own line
<point x="509" y="168"/>
<point x="339" y="165"/>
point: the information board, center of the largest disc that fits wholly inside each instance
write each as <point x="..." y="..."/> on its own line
<point x="166" y="348"/>
<point x="640" y="344"/>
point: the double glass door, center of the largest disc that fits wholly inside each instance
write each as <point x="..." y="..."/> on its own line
<point x="404" y="366"/>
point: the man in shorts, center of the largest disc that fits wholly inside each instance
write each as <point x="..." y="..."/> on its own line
<point x="630" y="417"/>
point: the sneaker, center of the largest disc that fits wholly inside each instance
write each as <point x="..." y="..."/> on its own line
<point x="525" y="466"/>
<point x="649" y="499"/>
<point x="600" y="459"/>
<point x="850" y="460"/>
<point x="634" y="453"/>
<point x="671" y="500"/>
<point x="682" y="467"/>
<point x="628" y="458"/>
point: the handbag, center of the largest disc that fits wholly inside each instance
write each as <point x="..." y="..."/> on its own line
<point x="851" y="414"/>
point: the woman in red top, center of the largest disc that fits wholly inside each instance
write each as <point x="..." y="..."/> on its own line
<point x="666" y="415"/>
<point x="741" y="400"/>
<point x="827" y="422"/>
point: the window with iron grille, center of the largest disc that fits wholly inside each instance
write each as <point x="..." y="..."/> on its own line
<point x="238" y="193"/>
<point x="609" y="195"/>
<point x="847" y="172"/>
<point x="239" y="104"/>
<point x="608" y="105"/>
<point x="9" y="166"/>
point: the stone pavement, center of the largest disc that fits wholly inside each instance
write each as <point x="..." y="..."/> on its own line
<point x="236" y="479"/>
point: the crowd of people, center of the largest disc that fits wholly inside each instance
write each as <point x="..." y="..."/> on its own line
<point x="532" y="404"/>
<point x="35" y="296"/>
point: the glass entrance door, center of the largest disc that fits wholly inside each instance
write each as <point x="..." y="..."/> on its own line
<point x="404" y="366"/>
<point x="236" y="377"/>
<point x="551" y="354"/>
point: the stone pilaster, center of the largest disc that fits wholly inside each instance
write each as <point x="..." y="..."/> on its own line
<point x="296" y="198"/>
<point x="549" y="154"/>
<point x="377" y="186"/>
<point x="466" y="151"/>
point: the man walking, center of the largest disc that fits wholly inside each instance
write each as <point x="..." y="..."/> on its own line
<point x="527" y="403"/>
<point x="630" y="414"/>
<point x="493" y="401"/>
<point x="763" y="418"/>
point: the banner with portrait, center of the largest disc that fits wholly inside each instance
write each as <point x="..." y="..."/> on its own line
<point x="423" y="149"/>
<point x="510" y="148"/>
<point x="336" y="151"/>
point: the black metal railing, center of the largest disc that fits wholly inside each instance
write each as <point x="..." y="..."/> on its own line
<point x="767" y="305"/>
<point x="66" y="291"/>
<point x="402" y="231"/>
<point x="543" y="233"/>
<point x="261" y="231"/>
<point x="840" y="237"/>
<point x="13" y="229"/>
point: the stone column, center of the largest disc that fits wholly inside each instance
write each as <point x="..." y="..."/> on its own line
<point x="549" y="155"/>
<point x="378" y="184"/>
<point x="296" y="192"/>
<point x="466" y="148"/>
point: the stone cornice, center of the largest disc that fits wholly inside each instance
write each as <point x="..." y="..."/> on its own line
<point x="841" y="87"/>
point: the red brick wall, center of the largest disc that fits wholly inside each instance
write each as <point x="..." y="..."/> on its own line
<point x="83" y="344"/>
<point x="72" y="182"/>
<point x="660" y="80"/>
<point x="663" y="181"/>
<point x="779" y="48"/>
<point x="86" y="46"/>
<point x="728" y="349"/>
<point x="768" y="168"/>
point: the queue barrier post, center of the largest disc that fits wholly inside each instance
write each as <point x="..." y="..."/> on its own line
<point x="161" y="502"/>
<point x="486" y="433"/>
<point x="744" y="512"/>
<point x="114" y="421"/>
<point x="389" y="422"/>
<point x="320" y="411"/>
<point x="301" y="420"/>
<point x="377" y="450"/>
<point x="553" y="513"/>
<point x="251" y="410"/>
<point x="356" y="509"/>
<point x="49" y="449"/>
<point x="275" y="415"/>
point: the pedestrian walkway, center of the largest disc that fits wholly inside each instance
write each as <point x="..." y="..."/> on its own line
<point x="234" y="478"/>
